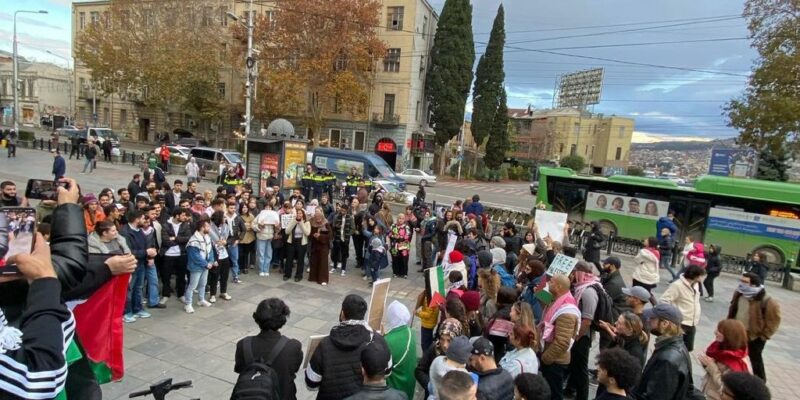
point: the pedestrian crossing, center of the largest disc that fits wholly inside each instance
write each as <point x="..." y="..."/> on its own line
<point x="483" y="188"/>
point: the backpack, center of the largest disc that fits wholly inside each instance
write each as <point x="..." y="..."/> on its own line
<point x="506" y="279"/>
<point x="258" y="380"/>
<point x="605" y="310"/>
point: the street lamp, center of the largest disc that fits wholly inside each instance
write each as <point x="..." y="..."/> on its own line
<point x="461" y="138"/>
<point x="16" y="67"/>
<point x="69" y="81"/>
<point x="250" y="63"/>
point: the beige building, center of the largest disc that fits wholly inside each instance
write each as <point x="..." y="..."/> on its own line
<point x="396" y="122"/>
<point x="549" y="135"/>
<point x="43" y="90"/>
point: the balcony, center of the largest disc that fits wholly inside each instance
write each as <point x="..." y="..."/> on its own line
<point x="385" y="119"/>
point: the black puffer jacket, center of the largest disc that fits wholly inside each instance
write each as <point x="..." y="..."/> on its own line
<point x="594" y="244"/>
<point x="668" y="373"/>
<point x="181" y="238"/>
<point x="69" y="246"/>
<point x="335" y="366"/>
<point x="496" y="384"/>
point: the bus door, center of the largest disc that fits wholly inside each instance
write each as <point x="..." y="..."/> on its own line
<point x="569" y="198"/>
<point x="691" y="216"/>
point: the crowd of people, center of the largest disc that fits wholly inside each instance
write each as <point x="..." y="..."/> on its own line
<point x="505" y="330"/>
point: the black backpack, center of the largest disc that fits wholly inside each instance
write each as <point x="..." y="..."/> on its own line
<point x="258" y="380"/>
<point x="605" y="308"/>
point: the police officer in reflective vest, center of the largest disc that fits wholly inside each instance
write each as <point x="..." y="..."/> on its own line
<point x="307" y="182"/>
<point x="330" y="183"/>
<point x="366" y="183"/>
<point x="352" y="182"/>
<point x="318" y="184"/>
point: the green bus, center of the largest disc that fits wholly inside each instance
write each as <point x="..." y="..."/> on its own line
<point x="742" y="216"/>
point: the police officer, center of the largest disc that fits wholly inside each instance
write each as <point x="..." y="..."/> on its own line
<point x="366" y="182"/>
<point x="318" y="184"/>
<point x="353" y="181"/>
<point x="307" y="182"/>
<point x="330" y="183"/>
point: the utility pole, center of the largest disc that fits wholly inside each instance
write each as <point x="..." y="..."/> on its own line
<point x="250" y="63"/>
<point x="15" y="61"/>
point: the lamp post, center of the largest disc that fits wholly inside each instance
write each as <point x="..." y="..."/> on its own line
<point x="250" y="63"/>
<point x="69" y="81"/>
<point x="461" y="138"/>
<point x="15" y="87"/>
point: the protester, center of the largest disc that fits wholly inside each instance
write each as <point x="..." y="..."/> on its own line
<point x="448" y="330"/>
<point x="617" y="371"/>
<point x="713" y="269"/>
<point x="247" y="243"/>
<point x="685" y="294"/>
<point x="402" y="345"/>
<point x="594" y="244"/>
<point x="320" y="248"/>
<point x="400" y="246"/>
<point x="334" y="364"/>
<point x="175" y="234"/>
<point x="666" y="245"/>
<point x="138" y="245"/>
<point x="743" y="386"/>
<point x="92" y="213"/>
<point x="200" y="258"/>
<point x="636" y="297"/>
<point x="499" y="326"/>
<point x="613" y="283"/>
<point x="220" y="234"/>
<point x="266" y="225"/>
<point x="522" y="358"/>
<point x="528" y="386"/>
<point x="297" y="242"/>
<point x="587" y="293"/>
<point x="493" y="382"/>
<point x="760" y="313"/>
<point x="374" y="358"/>
<point x="646" y="272"/>
<point x="725" y="354"/>
<point x="283" y="354"/>
<point x="428" y="318"/>
<point x="560" y="324"/>
<point x="457" y="385"/>
<point x="758" y="265"/>
<point x="456" y="358"/>
<point x="628" y="333"/>
<point x="343" y="228"/>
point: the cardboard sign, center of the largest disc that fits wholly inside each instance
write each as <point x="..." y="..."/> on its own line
<point x="562" y="265"/>
<point x="377" y="303"/>
<point x="313" y="343"/>
<point x="286" y="219"/>
<point x="551" y="223"/>
<point x="451" y="245"/>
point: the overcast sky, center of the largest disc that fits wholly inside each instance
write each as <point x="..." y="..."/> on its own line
<point x="665" y="102"/>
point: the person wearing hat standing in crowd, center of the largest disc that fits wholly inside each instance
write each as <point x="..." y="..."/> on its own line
<point x="494" y="383"/>
<point x="636" y="298"/>
<point x="613" y="284"/>
<point x="92" y="213"/>
<point x="455" y="263"/>
<point x="402" y="344"/>
<point x="472" y="304"/>
<point x="374" y="360"/>
<point x="448" y="330"/>
<point x="668" y="373"/>
<point x="455" y="358"/>
<point x="557" y="330"/>
<point x="59" y="164"/>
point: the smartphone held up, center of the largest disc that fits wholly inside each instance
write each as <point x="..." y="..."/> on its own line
<point x="17" y="233"/>
<point x="44" y="189"/>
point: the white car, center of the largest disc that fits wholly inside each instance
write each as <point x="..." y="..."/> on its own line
<point x="176" y="150"/>
<point x="417" y="177"/>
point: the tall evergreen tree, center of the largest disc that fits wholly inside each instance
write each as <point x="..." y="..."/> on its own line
<point x="450" y="72"/>
<point x="498" y="142"/>
<point x="489" y="80"/>
<point x="773" y="165"/>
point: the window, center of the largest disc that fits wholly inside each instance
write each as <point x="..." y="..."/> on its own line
<point x="359" y="140"/>
<point x="82" y="17"/>
<point x="394" y="18"/>
<point x="388" y="106"/>
<point x="424" y="25"/>
<point x="421" y="65"/>
<point x="586" y="150"/>
<point x="94" y="17"/>
<point x="313" y="101"/>
<point x="341" y="62"/>
<point x="591" y="155"/>
<point x="149" y="18"/>
<point x="123" y="117"/>
<point x="621" y="132"/>
<point x="106" y="19"/>
<point x="105" y="116"/>
<point x="272" y="21"/>
<point x="416" y="112"/>
<point x="573" y="149"/>
<point x="222" y="13"/>
<point x="337" y="104"/>
<point x="392" y="61"/>
<point x="221" y="89"/>
<point x="576" y="129"/>
<point x="336" y="137"/>
<point x="561" y="148"/>
<point x="207" y="19"/>
<point x="618" y="156"/>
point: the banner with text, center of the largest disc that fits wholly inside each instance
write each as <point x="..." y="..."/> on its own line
<point x="630" y="206"/>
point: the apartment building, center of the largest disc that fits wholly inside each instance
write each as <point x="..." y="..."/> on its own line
<point x="395" y="126"/>
<point x="549" y="135"/>
<point x="43" y="90"/>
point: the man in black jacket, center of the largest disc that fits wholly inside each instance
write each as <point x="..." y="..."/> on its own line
<point x="343" y="227"/>
<point x="668" y="373"/>
<point x="135" y="186"/>
<point x="374" y="359"/>
<point x="594" y="244"/>
<point x="174" y="236"/>
<point x="494" y="383"/>
<point x="140" y="248"/>
<point x="613" y="283"/>
<point x="335" y="366"/>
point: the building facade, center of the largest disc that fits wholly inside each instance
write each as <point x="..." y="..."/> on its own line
<point x="604" y="142"/>
<point x="43" y="90"/>
<point x="395" y="125"/>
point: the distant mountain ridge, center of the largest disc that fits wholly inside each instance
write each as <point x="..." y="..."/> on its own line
<point x="690" y="145"/>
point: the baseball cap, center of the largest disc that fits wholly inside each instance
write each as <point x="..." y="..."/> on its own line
<point x="664" y="311"/>
<point x="613" y="261"/>
<point x="638" y="292"/>
<point x="459" y="350"/>
<point x="375" y="359"/>
<point x="482" y="347"/>
<point x="119" y="206"/>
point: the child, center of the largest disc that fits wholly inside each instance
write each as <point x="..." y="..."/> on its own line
<point x="428" y="318"/>
<point x="377" y="254"/>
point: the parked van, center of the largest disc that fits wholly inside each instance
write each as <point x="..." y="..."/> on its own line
<point x="208" y="158"/>
<point x="99" y="135"/>
<point x="340" y="162"/>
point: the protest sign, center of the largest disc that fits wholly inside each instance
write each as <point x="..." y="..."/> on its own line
<point x="286" y="219"/>
<point x="377" y="303"/>
<point x="313" y="342"/>
<point x="561" y="265"/>
<point x="550" y="223"/>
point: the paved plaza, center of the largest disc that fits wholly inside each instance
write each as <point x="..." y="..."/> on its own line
<point x="200" y="346"/>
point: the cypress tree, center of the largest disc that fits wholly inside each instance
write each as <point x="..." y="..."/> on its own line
<point x="498" y="142"/>
<point x="489" y="80"/>
<point x="450" y="72"/>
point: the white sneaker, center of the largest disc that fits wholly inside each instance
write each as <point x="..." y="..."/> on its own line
<point x="163" y="300"/>
<point x="262" y="274"/>
<point x="332" y="270"/>
<point x="183" y="300"/>
<point x="324" y="283"/>
<point x="213" y="299"/>
<point x="338" y="265"/>
<point x="188" y="308"/>
<point x="266" y="273"/>
<point x="342" y="274"/>
<point x="203" y="303"/>
<point x="308" y="269"/>
<point x="364" y="278"/>
<point x="225" y="296"/>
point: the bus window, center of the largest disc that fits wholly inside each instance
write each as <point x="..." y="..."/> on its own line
<point x="570" y="199"/>
<point x="690" y="216"/>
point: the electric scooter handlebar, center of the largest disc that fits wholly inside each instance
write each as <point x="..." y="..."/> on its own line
<point x="160" y="389"/>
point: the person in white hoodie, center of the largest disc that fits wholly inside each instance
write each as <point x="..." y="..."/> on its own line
<point x="645" y="274"/>
<point x="192" y="171"/>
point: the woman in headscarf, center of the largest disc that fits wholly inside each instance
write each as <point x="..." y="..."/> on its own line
<point x="403" y="346"/>
<point x="320" y="247"/>
<point x="448" y="330"/>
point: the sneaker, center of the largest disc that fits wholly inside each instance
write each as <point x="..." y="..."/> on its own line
<point x="266" y="273"/>
<point x="164" y="300"/>
<point x="308" y="269"/>
<point x="143" y="314"/>
<point x="203" y="303"/>
<point x="128" y="318"/>
<point x="225" y="296"/>
<point x="237" y="280"/>
<point x="363" y="278"/>
<point x="213" y="299"/>
<point x="709" y="299"/>
<point x="332" y="270"/>
<point x="343" y="271"/>
<point x="339" y="266"/>
<point x="195" y="291"/>
<point x="188" y="308"/>
<point x="159" y="305"/>
<point x="324" y="283"/>
<point x="183" y="300"/>
<point x="262" y="274"/>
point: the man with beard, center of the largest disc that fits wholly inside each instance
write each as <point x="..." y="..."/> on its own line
<point x="8" y="196"/>
<point x="137" y="243"/>
<point x="668" y="373"/>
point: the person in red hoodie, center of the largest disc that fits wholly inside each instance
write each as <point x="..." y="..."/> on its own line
<point x="696" y="256"/>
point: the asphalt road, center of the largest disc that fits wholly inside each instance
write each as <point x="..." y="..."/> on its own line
<point x="513" y="196"/>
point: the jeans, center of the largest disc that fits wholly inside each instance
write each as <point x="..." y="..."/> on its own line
<point x="755" y="347"/>
<point x="233" y="253"/>
<point x="665" y="262"/>
<point x="133" y="303"/>
<point x="264" y="255"/>
<point x="88" y="163"/>
<point x="151" y="275"/>
<point x="579" y="367"/>
<point x="197" y="280"/>
<point x="554" y="375"/>
<point x="425" y="338"/>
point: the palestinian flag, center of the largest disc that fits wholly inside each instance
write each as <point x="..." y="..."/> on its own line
<point x="435" y="285"/>
<point x="99" y="325"/>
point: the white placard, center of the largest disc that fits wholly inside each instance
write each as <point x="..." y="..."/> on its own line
<point x="630" y="206"/>
<point x="550" y="223"/>
<point x="561" y="265"/>
<point x="286" y="219"/>
<point x="313" y="343"/>
<point x="451" y="245"/>
<point x="377" y="303"/>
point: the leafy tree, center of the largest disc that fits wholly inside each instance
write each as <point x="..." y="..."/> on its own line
<point x="450" y="72"/>
<point x="498" y="142"/>
<point x="768" y="114"/>
<point x="635" y="170"/>
<point x="576" y="163"/>
<point x="489" y="81"/>
<point x="773" y="166"/>
<point x="317" y="58"/>
<point x="163" y="54"/>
